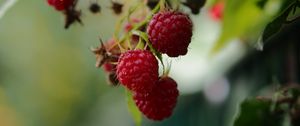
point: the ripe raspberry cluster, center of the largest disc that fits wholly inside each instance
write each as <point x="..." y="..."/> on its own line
<point x="155" y="96"/>
<point x="131" y="59"/>
<point x="137" y="68"/>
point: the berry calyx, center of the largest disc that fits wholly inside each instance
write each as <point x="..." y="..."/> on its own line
<point x="106" y="54"/>
<point x="170" y="32"/>
<point x="72" y="16"/>
<point x="138" y="70"/>
<point x="114" y="52"/>
<point x="159" y="103"/>
<point x="117" y="7"/>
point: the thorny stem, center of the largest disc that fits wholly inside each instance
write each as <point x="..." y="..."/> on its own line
<point x="281" y="97"/>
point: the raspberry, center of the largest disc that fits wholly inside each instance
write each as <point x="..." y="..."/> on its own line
<point x="51" y="2"/>
<point x="216" y="12"/>
<point x="138" y="70"/>
<point x="60" y="4"/>
<point x="109" y="67"/>
<point x="170" y="32"/>
<point x="160" y="102"/>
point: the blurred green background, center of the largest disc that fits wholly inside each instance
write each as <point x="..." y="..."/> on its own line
<point x="48" y="76"/>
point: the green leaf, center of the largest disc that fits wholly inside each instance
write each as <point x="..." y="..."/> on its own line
<point x="244" y="19"/>
<point x="287" y="3"/>
<point x="274" y="27"/>
<point x="132" y="108"/>
<point x="255" y="112"/>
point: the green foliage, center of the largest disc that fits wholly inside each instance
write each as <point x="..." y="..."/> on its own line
<point x="281" y="110"/>
<point x="245" y="19"/>
<point x="273" y="27"/>
<point x="261" y="3"/>
<point x="255" y="112"/>
<point x="132" y="108"/>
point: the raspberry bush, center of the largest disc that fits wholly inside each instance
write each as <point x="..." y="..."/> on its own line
<point x="132" y="56"/>
<point x="152" y="28"/>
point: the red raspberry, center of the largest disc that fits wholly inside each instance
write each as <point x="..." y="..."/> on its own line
<point x="109" y="67"/>
<point x="160" y="102"/>
<point x="51" y="2"/>
<point x="216" y="12"/>
<point x="138" y="70"/>
<point x="60" y="4"/>
<point x="170" y="32"/>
